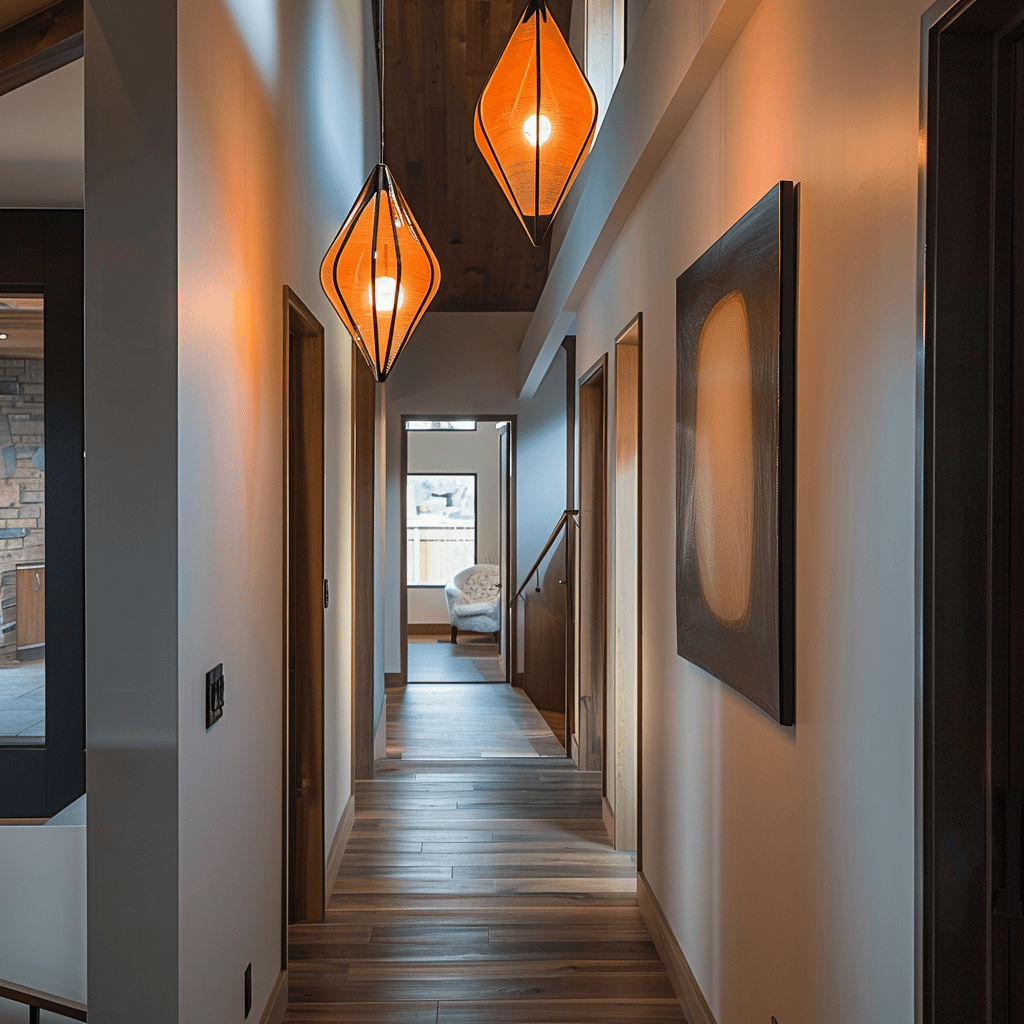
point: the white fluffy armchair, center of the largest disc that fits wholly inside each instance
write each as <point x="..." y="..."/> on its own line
<point x="474" y="601"/>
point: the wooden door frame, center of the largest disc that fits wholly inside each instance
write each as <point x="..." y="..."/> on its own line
<point x="963" y="462"/>
<point x="363" y="550"/>
<point x="632" y="335"/>
<point x="599" y="368"/>
<point x="403" y="470"/>
<point x="296" y="311"/>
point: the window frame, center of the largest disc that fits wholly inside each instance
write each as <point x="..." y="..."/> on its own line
<point x="476" y="515"/>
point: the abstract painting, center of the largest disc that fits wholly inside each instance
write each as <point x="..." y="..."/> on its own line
<point x="735" y="454"/>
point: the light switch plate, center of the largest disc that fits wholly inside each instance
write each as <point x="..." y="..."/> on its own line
<point x="214" y="695"/>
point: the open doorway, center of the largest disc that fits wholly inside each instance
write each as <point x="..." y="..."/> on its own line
<point x="457" y="520"/>
<point x="458" y="558"/>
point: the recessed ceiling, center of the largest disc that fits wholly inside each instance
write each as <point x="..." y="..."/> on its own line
<point x="42" y="156"/>
<point x="438" y="55"/>
<point x="13" y="11"/>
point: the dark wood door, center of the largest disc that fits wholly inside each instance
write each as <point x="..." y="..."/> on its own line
<point x="306" y="599"/>
<point x="1008" y="710"/>
<point x="593" y="637"/>
<point x="972" y="526"/>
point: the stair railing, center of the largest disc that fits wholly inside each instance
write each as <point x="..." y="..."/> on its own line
<point x="569" y="515"/>
<point x="36" y="1001"/>
<point x="547" y="669"/>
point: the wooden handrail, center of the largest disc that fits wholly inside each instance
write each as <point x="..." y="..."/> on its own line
<point x="36" y="1001"/>
<point x="562" y="519"/>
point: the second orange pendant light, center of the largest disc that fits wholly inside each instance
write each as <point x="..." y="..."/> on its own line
<point x="380" y="272"/>
<point x="535" y="119"/>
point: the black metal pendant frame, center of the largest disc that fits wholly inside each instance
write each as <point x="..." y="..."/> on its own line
<point x="380" y="181"/>
<point x="537" y="226"/>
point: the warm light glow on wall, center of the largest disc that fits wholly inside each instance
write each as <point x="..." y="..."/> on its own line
<point x="536" y="83"/>
<point x="379" y="253"/>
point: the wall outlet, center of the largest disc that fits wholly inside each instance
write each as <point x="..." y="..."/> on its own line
<point x="248" y="989"/>
<point x="214" y="695"/>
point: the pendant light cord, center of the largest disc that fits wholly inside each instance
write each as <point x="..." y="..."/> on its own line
<point x="380" y="66"/>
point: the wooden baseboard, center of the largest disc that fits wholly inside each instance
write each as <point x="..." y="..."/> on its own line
<point x="688" y="992"/>
<point x="380" y="737"/>
<point x="333" y="865"/>
<point x="393" y="680"/>
<point x="518" y="679"/>
<point x="277" y="1004"/>
<point x="609" y="818"/>
<point x="429" y="629"/>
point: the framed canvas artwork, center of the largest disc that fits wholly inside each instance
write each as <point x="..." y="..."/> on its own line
<point x="735" y="454"/>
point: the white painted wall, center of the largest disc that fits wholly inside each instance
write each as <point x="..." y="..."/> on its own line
<point x="42" y="124"/>
<point x="784" y="858"/>
<point x="459" y="451"/>
<point x="271" y="155"/>
<point x="42" y="909"/>
<point x="541" y="473"/>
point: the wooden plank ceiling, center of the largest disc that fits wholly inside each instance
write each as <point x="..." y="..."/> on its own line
<point x="438" y="54"/>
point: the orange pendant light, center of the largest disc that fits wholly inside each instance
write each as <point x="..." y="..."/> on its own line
<point x="535" y="120"/>
<point x="380" y="272"/>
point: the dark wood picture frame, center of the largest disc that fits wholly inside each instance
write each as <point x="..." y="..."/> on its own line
<point x="757" y="258"/>
<point x="42" y="252"/>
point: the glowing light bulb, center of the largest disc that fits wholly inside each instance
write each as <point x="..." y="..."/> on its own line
<point x="3" y="337"/>
<point x="530" y="129"/>
<point x="385" y="294"/>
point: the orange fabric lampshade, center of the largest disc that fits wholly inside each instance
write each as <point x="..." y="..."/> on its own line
<point x="380" y="273"/>
<point x="535" y="119"/>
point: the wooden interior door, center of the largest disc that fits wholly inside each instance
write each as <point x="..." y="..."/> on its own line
<point x="971" y="479"/>
<point x="1008" y="710"/>
<point x="305" y="613"/>
<point x="592" y="580"/>
<point x="628" y="515"/>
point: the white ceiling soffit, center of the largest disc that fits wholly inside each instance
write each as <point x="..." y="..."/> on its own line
<point x="679" y="49"/>
<point x="42" y="153"/>
<point x="13" y="11"/>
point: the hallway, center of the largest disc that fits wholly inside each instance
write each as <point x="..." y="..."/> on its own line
<point x="477" y="892"/>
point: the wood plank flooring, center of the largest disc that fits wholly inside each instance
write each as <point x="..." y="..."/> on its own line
<point x="427" y="721"/>
<point x="479" y="892"/>
<point x="468" y="661"/>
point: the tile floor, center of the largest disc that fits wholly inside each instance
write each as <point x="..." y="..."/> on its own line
<point x="23" y="702"/>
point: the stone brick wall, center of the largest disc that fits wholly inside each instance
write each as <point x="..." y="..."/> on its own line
<point x="22" y="483"/>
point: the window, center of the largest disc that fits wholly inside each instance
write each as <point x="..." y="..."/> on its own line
<point x="440" y="425"/>
<point x="440" y="526"/>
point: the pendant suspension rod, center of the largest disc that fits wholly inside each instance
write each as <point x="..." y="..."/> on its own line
<point x="380" y="65"/>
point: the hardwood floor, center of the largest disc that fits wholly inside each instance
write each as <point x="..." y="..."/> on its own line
<point x="468" y="661"/>
<point x="481" y="891"/>
<point x="478" y="893"/>
<point x="431" y="721"/>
